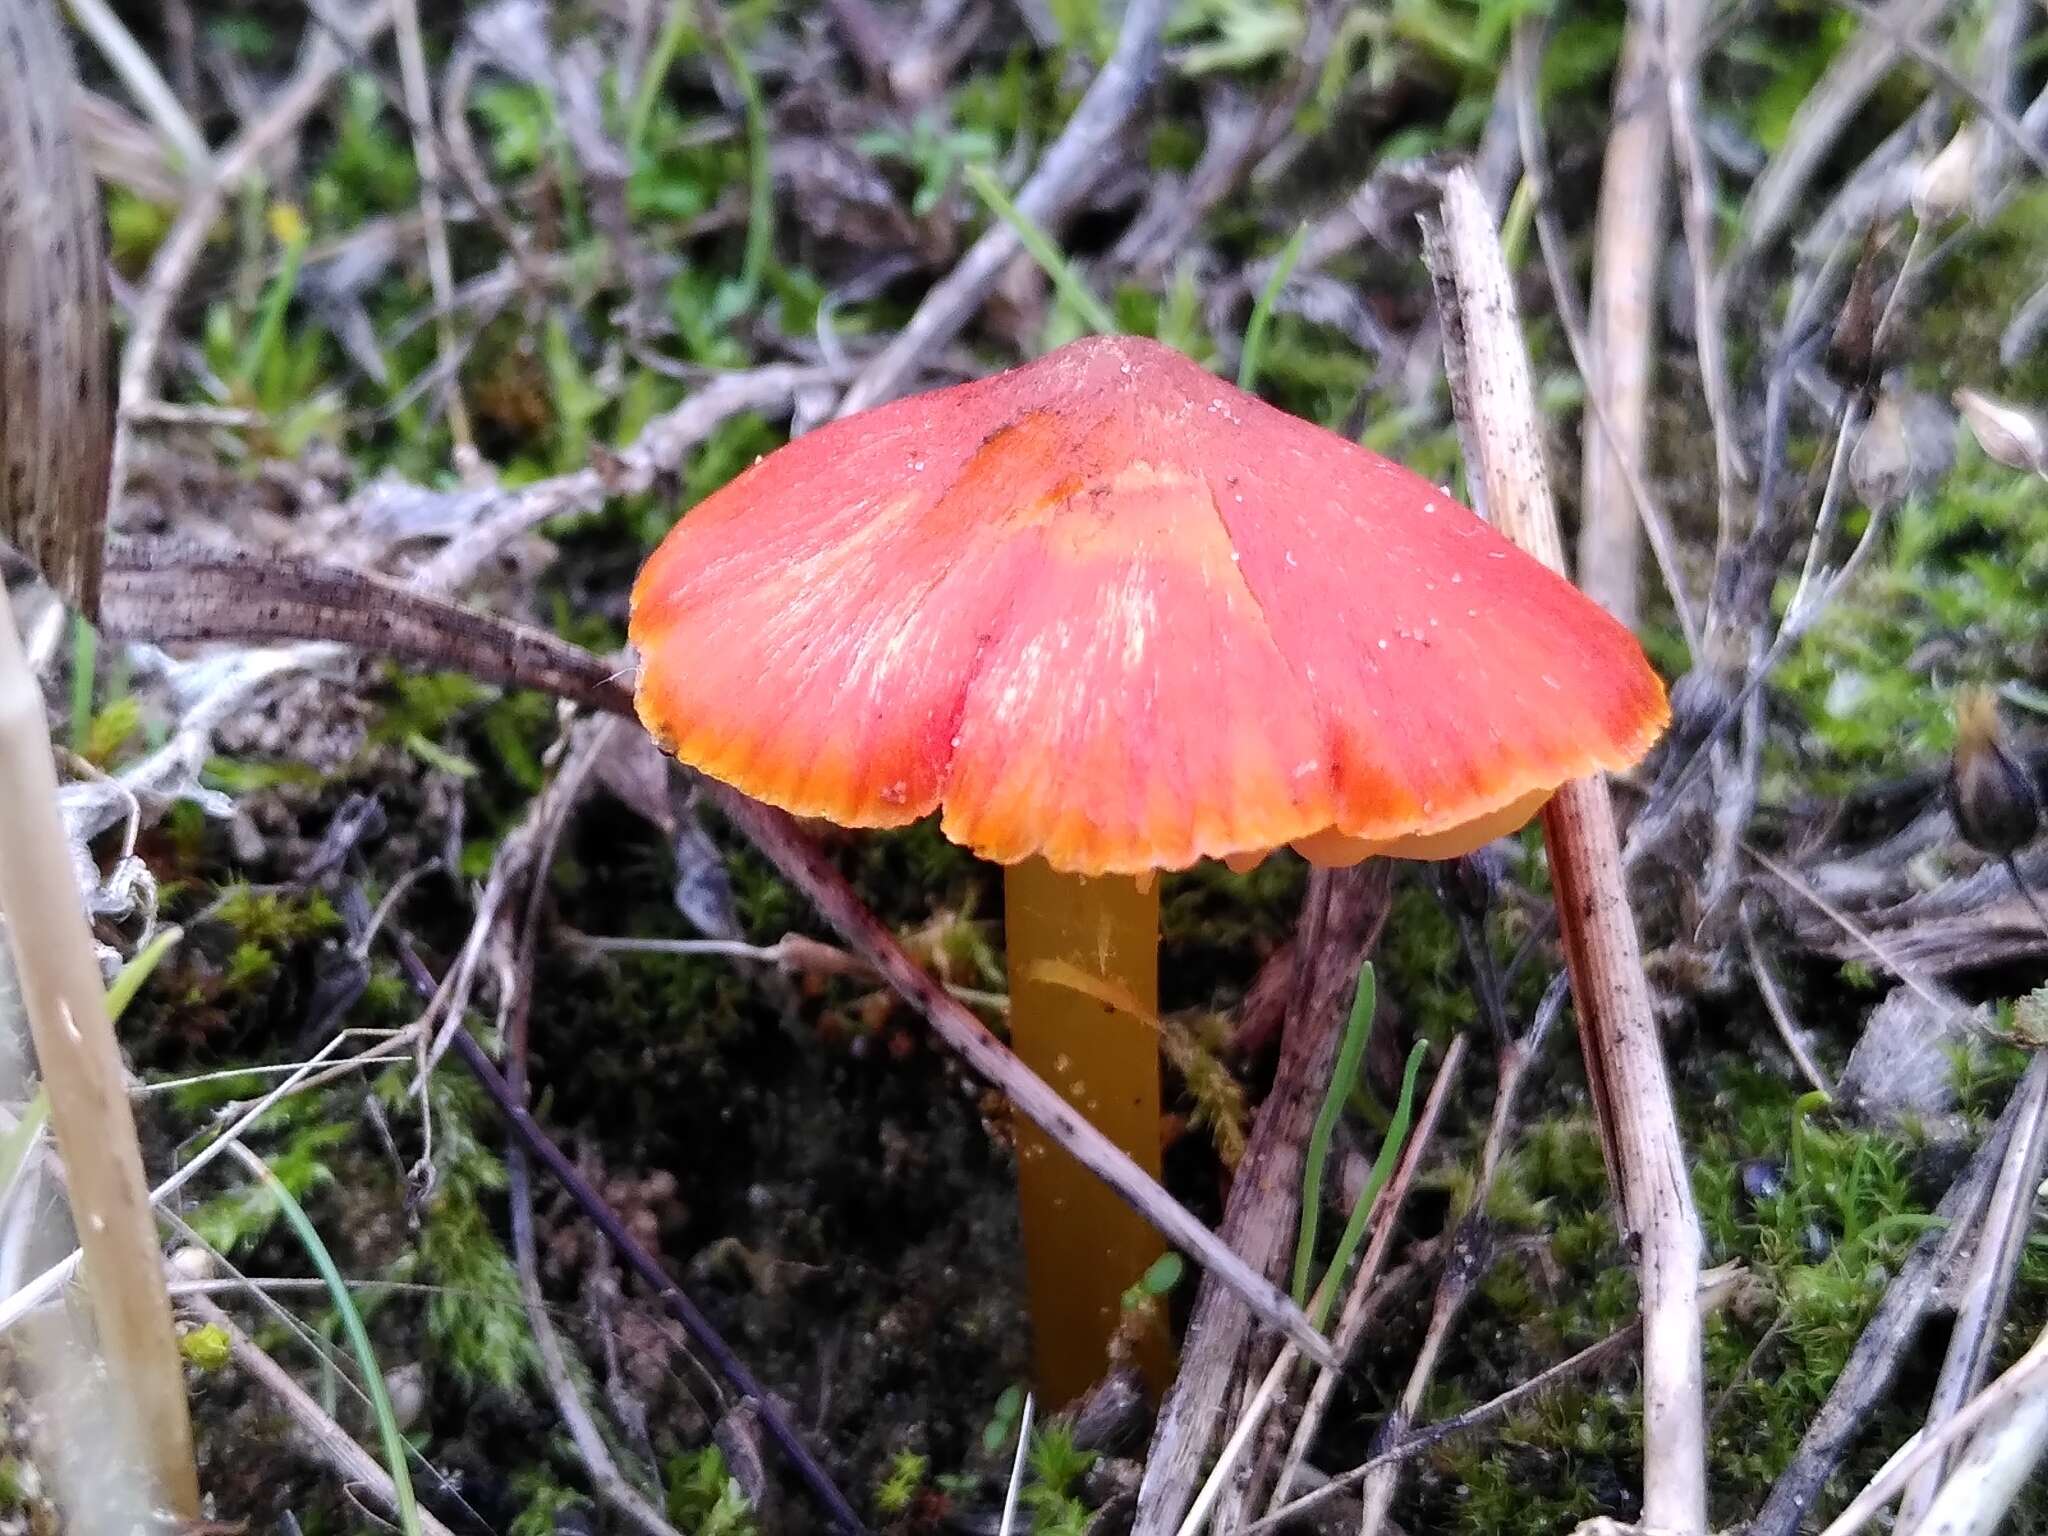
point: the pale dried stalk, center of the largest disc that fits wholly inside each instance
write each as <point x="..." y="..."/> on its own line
<point x="55" y="432"/>
<point x="1627" y="242"/>
<point x="1624" y="1061"/>
<point x="82" y="1074"/>
<point x="1992" y="1471"/>
<point x="128" y="59"/>
<point x="2019" y="1397"/>
<point x="419" y="106"/>
<point x="1980" y="1317"/>
<point x="1684" y="29"/>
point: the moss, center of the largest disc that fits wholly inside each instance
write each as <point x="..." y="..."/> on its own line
<point x="1955" y="596"/>
<point x="475" y="1319"/>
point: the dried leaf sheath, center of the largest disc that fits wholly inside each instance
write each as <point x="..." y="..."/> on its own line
<point x="56" y="402"/>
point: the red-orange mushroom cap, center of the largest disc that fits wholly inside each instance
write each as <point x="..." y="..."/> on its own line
<point x="1108" y="609"/>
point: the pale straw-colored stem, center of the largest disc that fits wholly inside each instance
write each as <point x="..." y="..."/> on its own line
<point x="1627" y="245"/>
<point x="81" y="1069"/>
<point x="1617" y="1029"/>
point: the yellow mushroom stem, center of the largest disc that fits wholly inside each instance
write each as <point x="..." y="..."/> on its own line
<point x="1084" y="976"/>
<point x="1083" y="1247"/>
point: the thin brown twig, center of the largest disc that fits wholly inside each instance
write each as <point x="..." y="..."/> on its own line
<point x="355" y="1466"/>
<point x="167" y="596"/>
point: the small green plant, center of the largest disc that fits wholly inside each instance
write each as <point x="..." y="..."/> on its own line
<point x="1052" y="1491"/>
<point x="207" y="1348"/>
<point x="704" y="1499"/>
<point x="545" y="1502"/>
<point x="931" y="150"/>
<point x="904" y="1482"/>
<point x="1350" y="1054"/>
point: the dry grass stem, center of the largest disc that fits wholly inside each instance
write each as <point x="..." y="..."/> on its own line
<point x="1775" y="1004"/>
<point x="419" y="109"/>
<point x="55" y="426"/>
<point x="1684" y="30"/>
<point x="1989" y="1287"/>
<point x="1628" y="234"/>
<point x="1646" y="519"/>
<point x="1624" y="1058"/>
<point x="80" y="1063"/>
<point x="128" y="59"/>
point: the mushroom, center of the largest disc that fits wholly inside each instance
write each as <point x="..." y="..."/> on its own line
<point x="1108" y="615"/>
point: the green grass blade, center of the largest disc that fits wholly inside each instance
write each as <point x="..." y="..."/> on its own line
<point x="1043" y="250"/>
<point x="760" y="175"/>
<point x="137" y="971"/>
<point x="681" y="25"/>
<point x="1262" y="312"/>
<point x="1350" y="1052"/>
<point x="394" y="1445"/>
<point x="268" y="331"/>
<point x="84" y="662"/>
<point x="14" y="1146"/>
<point x="1382" y="1170"/>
